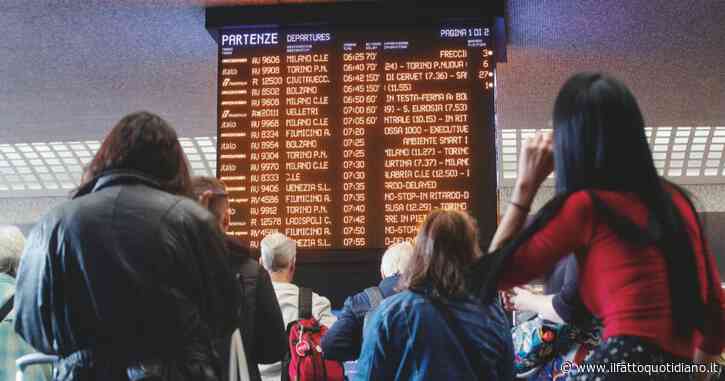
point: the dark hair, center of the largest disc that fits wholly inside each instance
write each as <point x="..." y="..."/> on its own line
<point x="447" y="243"/>
<point x="600" y="143"/>
<point x="145" y="143"/>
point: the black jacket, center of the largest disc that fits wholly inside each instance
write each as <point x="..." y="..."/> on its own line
<point x="126" y="275"/>
<point x="261" y="323"/>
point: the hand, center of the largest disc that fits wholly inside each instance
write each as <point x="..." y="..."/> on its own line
<point x="205" y="199"/>
<point x="536" y="163"/>
<point x="506" y="300"/>
<point x="523" y="300"/>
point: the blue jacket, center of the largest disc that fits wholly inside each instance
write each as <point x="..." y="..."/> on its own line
<point x="343" y="340"/>
<point x="409" y="339"/>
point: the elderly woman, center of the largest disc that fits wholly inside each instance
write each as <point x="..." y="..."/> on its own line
<point x="12" y="346"/>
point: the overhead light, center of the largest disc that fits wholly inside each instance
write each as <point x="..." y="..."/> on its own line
<point x="93" y="146"/>
<point x="682" y="140"/>
<point x="664" y="132"/>
<point x="41" y="147"/>
<point x="204" y="142"/>
<point x="676" y="151"/>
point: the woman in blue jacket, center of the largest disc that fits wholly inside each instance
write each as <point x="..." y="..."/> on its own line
<point x="435" y="329"/>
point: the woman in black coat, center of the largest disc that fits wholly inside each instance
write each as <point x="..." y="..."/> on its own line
<point x="127" y="281"/>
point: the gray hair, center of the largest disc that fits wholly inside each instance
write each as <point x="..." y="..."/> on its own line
<point x="396" y="259"/>
<point x="12" y="242"/>
<point x="278" y="252"/>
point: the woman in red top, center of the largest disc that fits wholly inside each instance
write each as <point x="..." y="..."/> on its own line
<point x="645" y="268"/>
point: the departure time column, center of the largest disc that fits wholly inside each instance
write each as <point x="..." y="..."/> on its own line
<point x="360" y="93"/>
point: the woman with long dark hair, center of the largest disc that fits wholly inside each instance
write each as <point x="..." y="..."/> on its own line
<point x="127" y="281"/>
<point x="435" y="329"/>
<point x="645" y="269"/>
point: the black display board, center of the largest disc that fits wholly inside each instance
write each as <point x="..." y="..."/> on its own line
<point x="344" y="125"/>
<point x="348" y="137"/>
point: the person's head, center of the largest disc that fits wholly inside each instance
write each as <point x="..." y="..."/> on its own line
<point x="447" y="243"/>
<point x="278" y="256"/>
<point x="395" y="259"/>
<point x="599" y="137"/>
<point x="12" y="242"/>
<point x="212" y="194"/>
<point x="144" y="143"/>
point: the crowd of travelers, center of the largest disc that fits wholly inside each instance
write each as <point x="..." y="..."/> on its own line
<point x="135" y="279"/>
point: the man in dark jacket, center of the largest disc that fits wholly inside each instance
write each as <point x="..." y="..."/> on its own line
<point x="344" y="339"/>
<point x="261" y="325"/>
<point x="127" y="281"/>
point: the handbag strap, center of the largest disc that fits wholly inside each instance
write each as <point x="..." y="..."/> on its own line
<point x="375" y="297"/>
<point x="471" y="353"/>
<point x="7" y="307"/>
<point x="304" y="303"/>
<point x="238" y="366"/>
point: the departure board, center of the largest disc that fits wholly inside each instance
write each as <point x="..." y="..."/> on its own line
<point x="345" y="138"/>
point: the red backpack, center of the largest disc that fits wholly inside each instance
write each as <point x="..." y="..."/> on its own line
<point x="305" y="362"/>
